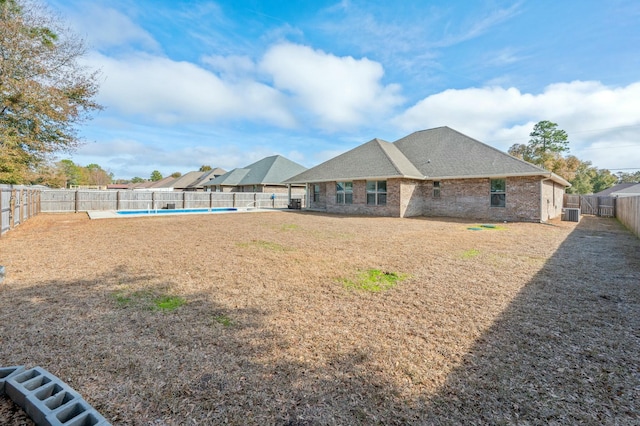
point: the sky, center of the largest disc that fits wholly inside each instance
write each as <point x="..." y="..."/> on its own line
<point x="227" y="83"/>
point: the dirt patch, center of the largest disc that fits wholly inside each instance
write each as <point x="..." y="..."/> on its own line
<point x="526" y="323"/>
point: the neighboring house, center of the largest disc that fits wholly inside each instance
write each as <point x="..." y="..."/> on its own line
<point x="206" y="177"/>
<point x="436" y="172"/>
<point x="118" y="186"/>
<point x="164" y="184"/>
<point x="621" y="190"/>
<point x="266" y="175"/>
<point x="182" y="183"/>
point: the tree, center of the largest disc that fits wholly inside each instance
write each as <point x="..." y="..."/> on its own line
<point x="603" y="180"/>
<point x="547" y="143"/>
<point x="137" y="180"/>
<point x="176" y="174"/>
<point x="97" y="176"/>
<point x="44" y="91"/>
<point x="624" y="177"/>
<point x="204" y="168"/>
<point x="71" y="171"/>
<point x="156" y="176"/>
<point x="547" y="138"/>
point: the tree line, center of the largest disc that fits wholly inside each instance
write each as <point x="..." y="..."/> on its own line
<point x="545" y="149"/>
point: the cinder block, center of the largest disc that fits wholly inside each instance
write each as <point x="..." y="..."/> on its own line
<point x="42" y="401"/>
<point x="8" y="372"/>
<point x="18" y="386"/>
<point x="76" y="413"/>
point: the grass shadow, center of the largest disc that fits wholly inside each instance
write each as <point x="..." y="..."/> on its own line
<point x="566" y="350"/>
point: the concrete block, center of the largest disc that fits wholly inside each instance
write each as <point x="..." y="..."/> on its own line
<point x="42" y="401"/>
<point x="19" y="385"/>
<point x="8" y="372"/>
<point x="76" y="413"/>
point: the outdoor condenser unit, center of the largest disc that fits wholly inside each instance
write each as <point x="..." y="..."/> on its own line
<point x="572" y="215"/>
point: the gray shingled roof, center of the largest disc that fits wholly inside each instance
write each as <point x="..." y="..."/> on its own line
<point x="374" y="159"/>
<point x="207" y="176"/>
<point x="273" y="170"/>
<point x="617" y="188"/>
<point x="186" y="180"/>
<point x="440" y="153"/>
<point x="631" y="190"/>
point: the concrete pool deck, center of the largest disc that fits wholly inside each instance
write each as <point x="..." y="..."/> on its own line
<point x="113" y="214"/>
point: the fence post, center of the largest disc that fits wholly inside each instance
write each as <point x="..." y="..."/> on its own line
<point x="117" y="200"/>
<point x="77" y="203"/>
<point x="184" y="199"/>
<point x="211" y="199"/>
<point x="234" y="199"/>
<point x="23" y="208"/>
<point x="12" y="204"/>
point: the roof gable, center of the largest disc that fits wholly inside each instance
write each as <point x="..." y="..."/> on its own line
<point x="186" y="179"/>
<point x="273" y="170"/>
<point x="207" y="176"/>
<point x="231" y="178"/>
<point x="374" y="159"/>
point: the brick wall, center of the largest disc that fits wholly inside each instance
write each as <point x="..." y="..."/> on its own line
<point x="470" y="198"/>
<point x="552" y="199"/>
<point x="459" y="198"/>
<point x="360" y="206"/>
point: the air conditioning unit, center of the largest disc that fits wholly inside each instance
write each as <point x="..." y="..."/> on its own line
<point x="571" y="215"/>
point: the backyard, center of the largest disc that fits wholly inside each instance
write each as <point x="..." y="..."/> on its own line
<point x="292" y="318"/>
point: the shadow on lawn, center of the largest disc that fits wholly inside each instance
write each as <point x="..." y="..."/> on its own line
<point x="566" y="350"/>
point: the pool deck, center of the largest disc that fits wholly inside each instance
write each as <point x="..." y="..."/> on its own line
<point x="112" y="214"/>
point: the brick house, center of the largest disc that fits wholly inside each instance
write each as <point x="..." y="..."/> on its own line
<point x="266" y="175"/>
<point x="436" y="172"/>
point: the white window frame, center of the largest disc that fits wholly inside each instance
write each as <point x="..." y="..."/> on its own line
<point x="378" y="194"/>
<point x="344" y="192"/>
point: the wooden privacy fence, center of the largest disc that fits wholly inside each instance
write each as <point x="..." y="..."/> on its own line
<point x="591" y="204"/>
<point x="628" y="212"/>
<point x="17" y="204"/>
<point x="85" y="200"/>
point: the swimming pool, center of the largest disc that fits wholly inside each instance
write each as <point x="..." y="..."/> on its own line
<point x="175" y="211"/>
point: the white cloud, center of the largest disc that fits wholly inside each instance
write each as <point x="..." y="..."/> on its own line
<point x="341" y="92"/>
<point x="105" y="27"/>
<point x="503" y="117"/>
<point x="171" y="92"/>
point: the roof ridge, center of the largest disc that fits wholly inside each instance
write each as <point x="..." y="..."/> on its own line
<point x="389" y="157"/>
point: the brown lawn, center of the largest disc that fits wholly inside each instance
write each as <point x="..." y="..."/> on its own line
<point x="526" y="323"/>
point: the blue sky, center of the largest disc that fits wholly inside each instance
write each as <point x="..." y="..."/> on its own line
<point x="226" y="83"/>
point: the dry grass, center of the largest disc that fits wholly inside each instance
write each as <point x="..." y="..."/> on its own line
<point x="528" y="324"/>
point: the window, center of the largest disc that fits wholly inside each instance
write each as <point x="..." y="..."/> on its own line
<point x="377" y="192"/>
<point x="316" y="192"/>
<point x="344" y="192"/>
<point x="498" y="187"/>
<point x="436" y="189"/>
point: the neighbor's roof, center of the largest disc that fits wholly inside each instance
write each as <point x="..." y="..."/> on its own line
<point x="186" y="180"/>
<point x="619" y="187"/>
<point x="631" y="190"/>
<point x="440" y="153"/>
<point x="273" y="170"/>
<point x="207" y="176"/>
